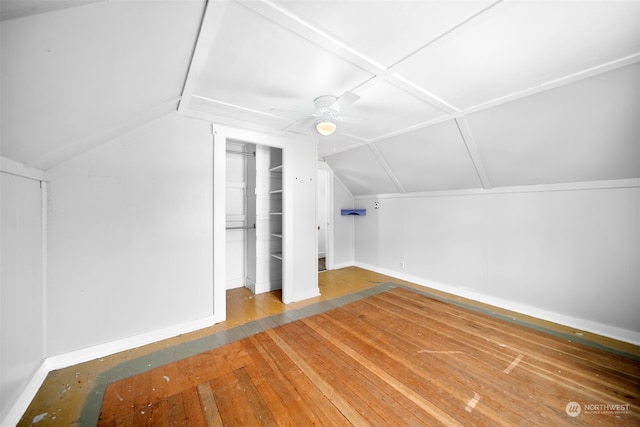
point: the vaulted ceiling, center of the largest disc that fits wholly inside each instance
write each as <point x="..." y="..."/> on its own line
<point x="452" y="94"/>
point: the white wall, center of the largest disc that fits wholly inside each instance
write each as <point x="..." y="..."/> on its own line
<point x="236" y="216"/>
<point x="299" y="179"/>
<point x="130" y="251"/>
<point x="21" y="291"/>
<point x="568" y="256"/>
<point x="343" y="226"/>
<point x="130" y="236"/>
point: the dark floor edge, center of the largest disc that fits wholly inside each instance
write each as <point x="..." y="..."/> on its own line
<point x="92" y="406"/>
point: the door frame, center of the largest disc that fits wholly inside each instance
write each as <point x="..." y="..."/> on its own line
<point x="328" y="229"/>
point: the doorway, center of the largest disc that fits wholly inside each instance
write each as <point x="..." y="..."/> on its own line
<point x="254" y="217"/>
<point x="323" y="216"/>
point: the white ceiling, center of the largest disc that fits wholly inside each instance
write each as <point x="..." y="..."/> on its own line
<point x="453" y="94"/>
<point x="75" y="76"/>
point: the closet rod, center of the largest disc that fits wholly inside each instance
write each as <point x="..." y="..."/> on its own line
<point x="242" y="153"/>
<point x="243" y="227"/>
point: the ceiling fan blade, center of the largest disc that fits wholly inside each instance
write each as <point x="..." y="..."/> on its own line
<point x="302" y="126"/>
<point x="296" y="113"/>
<point x="351" y="119"/>
<point x="344" y="101"/>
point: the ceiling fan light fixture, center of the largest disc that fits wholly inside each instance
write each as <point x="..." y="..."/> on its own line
<point x="325" y="127"/>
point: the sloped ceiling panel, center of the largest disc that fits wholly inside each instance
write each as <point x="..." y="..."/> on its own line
<point x="12" y="9"/>
<point x="236" y="115"/>
<point x="368" y="118"/>
<point x="518" y="77"/>
<point x="291" y="56"/>
<point x="260" y="66"/>
<point x="384" y="31"/>
<point x="430" y="159"/>
<point x="361" y="171"/>
<point x="453" y="95"/>
<point x="519" y="45"/>
<point x="337" y="144"/>
<point x="585" y="131"/>
<point x="74" y="77"/>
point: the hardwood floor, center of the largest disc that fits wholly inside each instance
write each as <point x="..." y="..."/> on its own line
<point x="69" y="393"/>
<point x="395" y="358"/>
<point x="64" y="393"/>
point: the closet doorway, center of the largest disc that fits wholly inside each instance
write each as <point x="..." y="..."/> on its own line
<point x="254" y="217"/>
<point x="324" y="218"/>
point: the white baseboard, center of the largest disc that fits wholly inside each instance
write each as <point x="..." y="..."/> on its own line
<point x="24" y="399"/>
<point x="620" y="334"/>
<point x="90" y="353"/>
<point x="267" y="286"/>
<point x="304" y="295"/>
<point x="102" y="350"/>
<point x="235" y="282"/>
<point x="251" y="285"/>
<point x="337" y="266"/>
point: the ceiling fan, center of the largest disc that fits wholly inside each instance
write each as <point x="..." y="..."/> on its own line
<point x="327" y="113"/>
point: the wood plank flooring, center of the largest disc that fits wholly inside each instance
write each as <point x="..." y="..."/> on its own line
<point x="394" y="358"/>
<point x="66" y="393"/>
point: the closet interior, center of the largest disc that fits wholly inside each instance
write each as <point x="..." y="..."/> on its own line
<point x="254" y="217"/>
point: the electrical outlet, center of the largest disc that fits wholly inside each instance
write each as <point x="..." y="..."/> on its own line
<point x="376" y="205"/>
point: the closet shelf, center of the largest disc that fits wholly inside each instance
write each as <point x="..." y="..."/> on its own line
<point x="242" y="227"/>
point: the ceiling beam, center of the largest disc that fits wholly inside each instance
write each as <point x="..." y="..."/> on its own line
<point x="209" y="28"/>
<point x="472" y="149"/>
<point x="16" y="168"/>
<point x="385" y="166"/>
<point x="268" y="9"/>
<point x="562" y="81"/>
<point x="541" y="188"/>
<point x="448" y="32"/>
<point x="286" y="19"/>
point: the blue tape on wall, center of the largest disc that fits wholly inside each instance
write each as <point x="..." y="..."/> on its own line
<point x="358" y="212"/>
